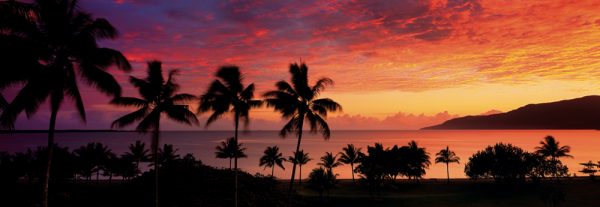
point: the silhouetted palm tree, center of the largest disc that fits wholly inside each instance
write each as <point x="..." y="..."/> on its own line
<point x="329" y="161"/>
<point x="299" y="102"/>
<point x="87" y="160"/>
<point x="551" y="148"/>
<point x="138" y="153"/>
<point x="47" y="45"/>
<point x="158" y="97"/>
<point x="101" y="155"/>
<point x="302" y="160"/>
<point x="447" y="156"/>
<point x="320" y="180"/>
<point x="229" y="96"/>
<point x="227" y="150"/>
<point x="350" y="155"/>
<point x="111" y="167"/>
<point x="419" y="160"/>
<point x="166" y="155"/>
<point x="272" y="157"/>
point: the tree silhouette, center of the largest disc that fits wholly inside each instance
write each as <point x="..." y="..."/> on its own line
<point x="320" y="180"/>
<point x="227" y="150"/>
<point x="45" y="46"/>
<point x="302" y="160"/>
<point x="418" y="160"/>
<point x="272" y="157"/>
<point x="589" y="169"/>
<point x="229" y="96"/>
<point x="447" y="156"/>
<point x="110" y="167"/>
<point x="158" y="97"/>
<point x="86" y="160"/>
<point x="329" y="161"/>
<point x="350" y="155"/>
<point x="551" y="148"/>
<point x="298" y="102"/>
<point x="101" y="155"/>
<point x="166" y="155"/>
<point x="138" y="153"/>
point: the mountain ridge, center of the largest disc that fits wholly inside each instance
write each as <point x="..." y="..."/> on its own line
<point x="579" y="113"/>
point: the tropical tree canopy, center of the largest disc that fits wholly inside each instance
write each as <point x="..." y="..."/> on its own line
<point x="272" y="157"/>
<point x="329" y="161"/>
<point x="551" y="148"/>
<point x="158" y="97"/>
<point x="227" y="149"/>
<point x="46" y="46"/>
<point x="299" y="102"/>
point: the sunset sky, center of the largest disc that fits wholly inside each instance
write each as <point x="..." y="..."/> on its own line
<point x="396" y="64"/>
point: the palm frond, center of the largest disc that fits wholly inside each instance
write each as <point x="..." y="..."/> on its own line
<point x="232" y="77"/>
<point x="103" y="58"/>
<point x="129" y="102"/>
<point x="284" y="86"/>
<point x="248" y="93"/>
<point x="73" y="92"/>
<point x="130" y="118"/>
<point x="181" y="114"/>
<point x="320" y="85"/>
<point x="99" y="79"/>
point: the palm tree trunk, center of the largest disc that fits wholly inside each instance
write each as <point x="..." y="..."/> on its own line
<point x="300" y="175"/>
<point x="97" y="177"/>
<point x="157" y="130"/>
<point x="448" y="172"/>
<point x="235" y="191"/>
<point x="273" y="170"/>
<point x="230" y="163"/>
<point x="46" y="177"/>
<point x="109" y="181"/>
<point x="352" y="171"/>
<point x="297" y="151"/>
<point x="137" y="168"/>
<point x="555" y="169"/>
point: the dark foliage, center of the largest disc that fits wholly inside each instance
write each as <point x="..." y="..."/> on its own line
<point x="189" y="183"/>
<point x="506" y="163"/>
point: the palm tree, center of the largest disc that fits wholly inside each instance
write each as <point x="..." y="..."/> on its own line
<point x="158" y="97"/>
<point x="227" y="150"/>
<point x="299" y="102"/>
<point x="551" y="148"/>
<point x="47" y="45"/>
<point x="329" y="161"/>
<point x="101" y="155"/>
<point x="350" y="156"/>
<point x="138" y="153"/>
<point x="320" y="180"/>
<point x="111" y="167"/>
<point x="229" y="96"/>
<point x="302" y="160"/>
<point x="271" y="158"/>
<point x="419" y="160"/>
<point x="166" y="155"/>
<point x="86" y="158"/>
<point x="447" y="156"/>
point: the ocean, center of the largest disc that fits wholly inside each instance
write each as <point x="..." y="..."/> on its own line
<point x="584" y="145"/>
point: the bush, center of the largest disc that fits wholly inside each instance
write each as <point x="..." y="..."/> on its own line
<point x="502" y="162"/>
<point x="193" y="184"/>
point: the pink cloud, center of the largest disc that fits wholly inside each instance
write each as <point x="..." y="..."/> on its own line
<point x="493" y="111"/>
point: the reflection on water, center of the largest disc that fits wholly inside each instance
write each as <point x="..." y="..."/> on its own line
<point x="202" y="144"/>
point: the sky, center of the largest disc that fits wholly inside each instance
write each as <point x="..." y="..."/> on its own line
<point x="395" y="64"/>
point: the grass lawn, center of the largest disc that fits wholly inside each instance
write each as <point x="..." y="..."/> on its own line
<point x="581" y="192"/>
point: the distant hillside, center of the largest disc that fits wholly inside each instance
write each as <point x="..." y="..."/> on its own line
<point x="579" y="113"/>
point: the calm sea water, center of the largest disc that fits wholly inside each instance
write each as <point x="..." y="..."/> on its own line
<point x="202" y="144"/>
